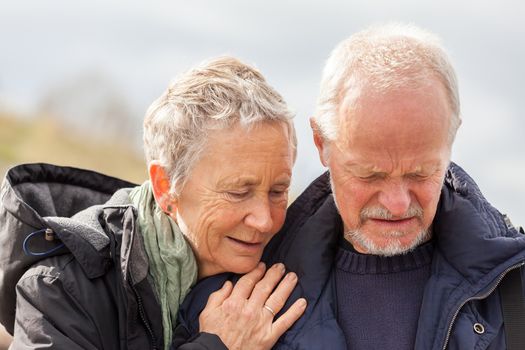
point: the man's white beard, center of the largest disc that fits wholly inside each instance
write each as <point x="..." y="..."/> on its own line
<point x="394" y="246"/>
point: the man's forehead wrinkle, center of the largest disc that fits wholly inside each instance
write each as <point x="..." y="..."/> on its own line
<point x="393" y="160"/>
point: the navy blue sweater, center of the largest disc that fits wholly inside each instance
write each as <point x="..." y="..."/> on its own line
<point x="375" y="309"/>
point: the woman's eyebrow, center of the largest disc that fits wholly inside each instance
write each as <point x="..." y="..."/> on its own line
<point x="243" y="181"/>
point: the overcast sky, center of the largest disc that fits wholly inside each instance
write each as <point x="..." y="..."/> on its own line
<point x="139" y="46"/>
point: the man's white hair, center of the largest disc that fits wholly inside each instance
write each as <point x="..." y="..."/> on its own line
<point x="215" y="95"/>
<point x="383" y="58"/>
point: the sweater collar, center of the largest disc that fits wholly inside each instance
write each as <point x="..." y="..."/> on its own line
<point x="349" y="260"/>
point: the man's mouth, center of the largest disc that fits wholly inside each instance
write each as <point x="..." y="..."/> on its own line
<point x="394" y="223"/>
<point x="393" y="220"/>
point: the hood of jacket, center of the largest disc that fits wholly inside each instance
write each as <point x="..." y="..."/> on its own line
<point x="69" y="201"/>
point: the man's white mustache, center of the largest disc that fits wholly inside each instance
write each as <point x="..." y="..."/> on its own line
<point x="414" y="210"/>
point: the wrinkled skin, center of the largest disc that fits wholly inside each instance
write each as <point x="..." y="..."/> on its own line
<point x="238" y="315"/>
<point x="389" y="158"/>
<point x="233" y="202"/>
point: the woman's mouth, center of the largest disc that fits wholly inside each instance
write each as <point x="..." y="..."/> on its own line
<point x="245" y="245"/>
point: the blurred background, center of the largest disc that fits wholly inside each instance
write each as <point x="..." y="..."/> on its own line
<point x="76" y="77"/>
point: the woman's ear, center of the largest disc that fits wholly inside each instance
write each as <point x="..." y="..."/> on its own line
<point x="160" y="183"/>
<point x="320" y="143"/>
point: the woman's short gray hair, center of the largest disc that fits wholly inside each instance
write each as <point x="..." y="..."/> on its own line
<point x="214" y="95"/>
<point x="383" y="58"/>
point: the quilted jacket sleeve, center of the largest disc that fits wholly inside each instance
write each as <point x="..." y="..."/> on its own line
<point x="204" y="341"/>
<point x="49" y="314"/>
<point x="200" y="341"/>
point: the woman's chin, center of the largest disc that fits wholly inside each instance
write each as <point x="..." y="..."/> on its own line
<point x="241" y="265"/>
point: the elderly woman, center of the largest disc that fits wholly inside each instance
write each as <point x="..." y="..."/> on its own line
<point x="220" y="146"/>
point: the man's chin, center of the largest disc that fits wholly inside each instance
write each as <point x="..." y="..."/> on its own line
<point x="393" y="243"/>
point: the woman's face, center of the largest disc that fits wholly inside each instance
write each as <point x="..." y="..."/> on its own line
<point x="236" y="195"/>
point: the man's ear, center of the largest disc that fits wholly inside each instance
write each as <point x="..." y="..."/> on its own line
<point x="320" y="142"/>
<point x="160" y="183"/>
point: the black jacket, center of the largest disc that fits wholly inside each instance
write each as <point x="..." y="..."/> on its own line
<point x="475" y="246"/>
<point x="91" y="289"/>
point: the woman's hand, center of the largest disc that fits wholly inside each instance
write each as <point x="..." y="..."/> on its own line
<point x="243" y="316"/>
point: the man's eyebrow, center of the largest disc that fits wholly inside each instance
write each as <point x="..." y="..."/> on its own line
<point x="421" y="168"/>
<point x="356" y="166"/>
<point x="283" y="182"/>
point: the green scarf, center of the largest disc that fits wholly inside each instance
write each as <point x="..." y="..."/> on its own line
<point x="172" y="263"/>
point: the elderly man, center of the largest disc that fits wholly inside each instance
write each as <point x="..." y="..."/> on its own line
<point x="395" y="246"/>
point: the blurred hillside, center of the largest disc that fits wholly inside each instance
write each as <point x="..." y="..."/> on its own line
<point x="46" y="139"/>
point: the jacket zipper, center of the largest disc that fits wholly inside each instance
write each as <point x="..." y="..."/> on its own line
<point x="131" y="283"/>
<point x="143" y="317"/>
<point x="479" y="297"/>
<point x="142" y="313"/>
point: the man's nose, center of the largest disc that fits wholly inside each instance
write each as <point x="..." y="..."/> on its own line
<point x="259" y="216"/>
<point x="395" y="197"/>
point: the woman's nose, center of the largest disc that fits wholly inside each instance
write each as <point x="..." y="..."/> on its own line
<point x="259" y="216"/>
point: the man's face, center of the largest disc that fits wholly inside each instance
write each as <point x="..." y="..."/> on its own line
<point x="387" y="166"/>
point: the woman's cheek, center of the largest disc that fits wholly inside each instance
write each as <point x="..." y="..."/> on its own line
<point x="279" y="215"/>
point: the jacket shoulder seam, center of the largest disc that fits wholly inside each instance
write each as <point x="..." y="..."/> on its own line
<point x="41" y="270"/>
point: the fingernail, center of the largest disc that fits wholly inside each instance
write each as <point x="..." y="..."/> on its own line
<point x="261" y="265"/>
<point x="280" y="267"/>
<point x="291" y="276"/>
<point x="302" y="302"/>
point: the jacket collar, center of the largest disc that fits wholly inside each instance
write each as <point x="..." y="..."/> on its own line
<point x="471" y="235"/>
